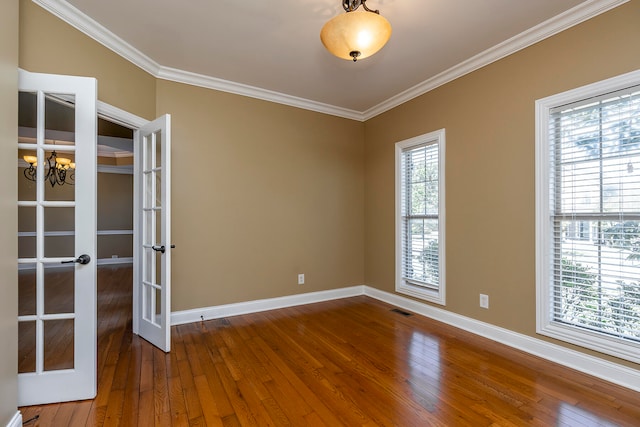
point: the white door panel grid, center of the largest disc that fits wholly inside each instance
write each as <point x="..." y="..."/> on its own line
<point x="57" y="303"/>
<point x="153" y="205"/>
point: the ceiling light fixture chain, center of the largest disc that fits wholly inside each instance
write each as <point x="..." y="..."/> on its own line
<point x="351" y="5"/>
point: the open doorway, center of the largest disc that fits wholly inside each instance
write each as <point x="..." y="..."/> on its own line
<point x="115" y="250"/>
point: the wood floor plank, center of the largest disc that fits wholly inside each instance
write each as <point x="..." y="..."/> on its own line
<point x="209" y="359"/>
<point x="130" y="407"/>
<point x="113" y="413"/>
<point x="146" y="414"/>
<point x="348" y="362"/>
<point x="207" y="402"/>
<point x="160" y="384"/>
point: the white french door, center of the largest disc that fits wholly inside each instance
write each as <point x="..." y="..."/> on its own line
<point x="56" y="238"/>
<point x="152" y="310"/>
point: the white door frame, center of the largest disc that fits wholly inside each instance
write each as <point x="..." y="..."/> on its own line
<point x="124" y="118"/>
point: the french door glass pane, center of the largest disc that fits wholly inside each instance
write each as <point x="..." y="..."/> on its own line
<point x="158" y="172"/>
<point x="158" y="200"/>
<point x="149" y="235"/>
<point x="148" y="190"/>
<point x="26" y="346"/>
<point x="158" y="305"/>
<point x="147" y="295"/>
<point x="158" y="150"/>
<point x="148" y="271"/>
<point x="58" y="290"/>
<point x="59" y="231"/>
<point x="57" y="192"/>
<point x="26" y="246"/>
<point x="158" y="268"/>
<point x="158" y="226"/>
<point x="60" y="120"/>
<point x="58" y="344"/>
<point x="26" y="187"/>
<point x="27" y="292"/>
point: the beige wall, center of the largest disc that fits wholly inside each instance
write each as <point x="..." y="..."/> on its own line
<point x="115" y="212"/>
<point x="48" y="45"/>
<point x="8" y="210"/>
<point x="489" y="120"/>
<point x="115" y="201"/>
<point x="261" y="192"/>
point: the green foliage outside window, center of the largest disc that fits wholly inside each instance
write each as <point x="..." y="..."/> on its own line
<point x="584" y="303"/>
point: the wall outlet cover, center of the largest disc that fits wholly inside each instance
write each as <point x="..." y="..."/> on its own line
<point x="484" y="301"/>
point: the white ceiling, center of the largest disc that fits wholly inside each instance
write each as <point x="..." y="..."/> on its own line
<point x="274" y="45"/>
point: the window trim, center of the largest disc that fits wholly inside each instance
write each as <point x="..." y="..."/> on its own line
<point x="544" y="283"/>
<point x="438" y="295"/>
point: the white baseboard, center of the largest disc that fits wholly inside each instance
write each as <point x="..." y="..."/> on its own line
<point x="16" y="421"/>
<point x="216" y="312"/>
<point x="608" y="371"/>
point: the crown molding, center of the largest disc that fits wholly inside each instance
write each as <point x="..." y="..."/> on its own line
<point x="194" y="79"/>
<point x="90" y="27"/>
<point x="102" y="35"/>
<point x="555" y="25"/>
<point x="87" y="25"/>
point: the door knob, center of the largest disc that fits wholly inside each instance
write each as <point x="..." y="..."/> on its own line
<point x="82" y="259"/>
<point x="161" y="249"/>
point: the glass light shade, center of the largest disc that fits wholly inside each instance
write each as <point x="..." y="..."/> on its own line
<point x="32" y="160"/>
<point x="72" y="165"/>
<point x="63" y="161"/>
<point x="357" y="31"/>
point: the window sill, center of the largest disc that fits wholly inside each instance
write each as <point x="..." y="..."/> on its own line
<point x="430" y="295"/>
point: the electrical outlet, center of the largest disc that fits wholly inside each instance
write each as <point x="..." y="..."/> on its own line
<point x="301" y="279"/>
<point x="484" y="301"/>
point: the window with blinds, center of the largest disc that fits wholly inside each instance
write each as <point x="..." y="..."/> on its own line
<point x="592" y="213"/>
<point x="419" y="228"/>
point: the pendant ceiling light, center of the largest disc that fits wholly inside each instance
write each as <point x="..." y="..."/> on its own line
<point x="58" y="170"/>
<point x="355" y="34"/>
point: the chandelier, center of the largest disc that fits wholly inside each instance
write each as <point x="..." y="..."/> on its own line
<point x="355" y="35"/>
<point x="58" y="170"/>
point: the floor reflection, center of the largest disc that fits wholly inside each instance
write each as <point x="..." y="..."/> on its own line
<point x="424" y="369"/>
<point x="569" y="415"/>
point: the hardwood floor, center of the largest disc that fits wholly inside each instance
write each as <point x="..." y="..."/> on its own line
<point x="350" y="362"/>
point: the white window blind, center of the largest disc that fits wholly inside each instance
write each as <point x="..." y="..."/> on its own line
<point x="420" y="231"/>
<point x="593" y="203"/>
<point x="420" y="215"/>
